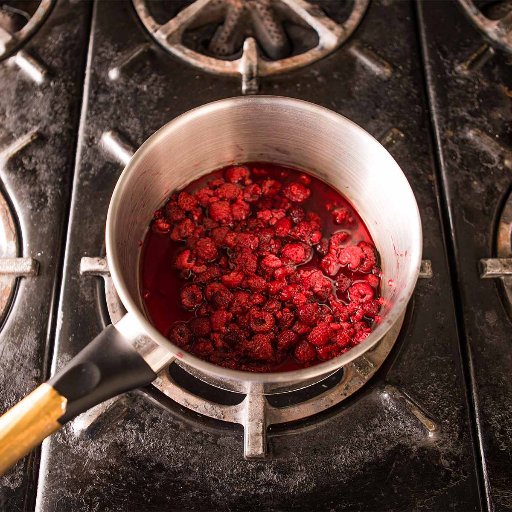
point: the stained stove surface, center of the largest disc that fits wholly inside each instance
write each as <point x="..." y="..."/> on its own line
<point x="40" y="97"/>
<point x="402" y="441"/>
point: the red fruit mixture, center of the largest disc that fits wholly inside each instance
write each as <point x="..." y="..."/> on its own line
<point x="261" y="268"/>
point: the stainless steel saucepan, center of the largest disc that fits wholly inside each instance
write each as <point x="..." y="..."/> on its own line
<point x="261" y="128"/>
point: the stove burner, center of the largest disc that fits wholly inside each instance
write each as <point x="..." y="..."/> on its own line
<point x="257" y="408"/>
<point x="250" y="38"/>
<point x="493" y="18"/>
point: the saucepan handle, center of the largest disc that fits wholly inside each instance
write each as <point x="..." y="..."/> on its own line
<point x="106" y="367"/>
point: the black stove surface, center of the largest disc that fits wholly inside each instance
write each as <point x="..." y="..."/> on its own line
<point x="147" y="453"/>
<point x="472" y="118"/>
<point x="374" y="451"/>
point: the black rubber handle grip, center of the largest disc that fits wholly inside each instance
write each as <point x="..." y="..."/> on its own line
<point x="106" y="367"/>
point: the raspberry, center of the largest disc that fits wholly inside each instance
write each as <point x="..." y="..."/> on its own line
<point x="296" y="192"/>
<point x="241" y="302"/>
<point x="200" y="327"/>
<point x="248" y="241"/>
<point x="294" y="253"/>
<point x="286" y="340"/>
<point x="252" y="193"/>
<point x="230" y="240"/>
<point x="304" y="352"/>
<point x="203" y="196"/>
<point x="320" y="335"/>
<point x="301" y="328"/>
<point x="203" y="347"/>
<point x="229" y="191"/>
<point x="283" y="227"/>
<point x="361" y="292"/>
<point x="183" y="230"/>
<point x="323" y="247"/>
<point x="329" y="264"/>
<point x="373" y="280"/>
<point x="371" y="308"/>
<point x="240" y="210"/>
<point x="220" y="319"/>
<point x="343" y="283"/>
<point x="307" y="233"/>
<point x="174" y="212"/>
<point x="191" y="296"/>
<point x="340" y="215"/>
<point x="161" y="226"/>
<point x="218" y="295"/>
<point x="256" y="283"/>
<point x="283" y="272"/>
<point x="270" y="187"/>
<point x="186" y="201"/>
<point x="236" y="174"/>
<point x="210" y="274"/>
<point x="260" y="347"/>
<point x="218" y="235"/>
<point x="307" y="313"/>
<point x="327" y="352"/>
<point x="233" y="279"/>
<point x="245" y="261"/>
<point x="304" y="179"/>
<point x="205" y="249"/>
<point x="285" y="318"/>
<point x="262" y="321"/>
<point x="185" y="260"/>
<point x="180" y="334"/>
<point x="297" y="215"/>
<point x="351" y="256"/>
<point x="370" y="258"/>
<point x="271" y="261"/>
<point x="272" y="305"/>
<point x="337" y="241"/>
<point x="258" y="299"/>
<point x="274" y="287"/>
<point x="220" y="212"/>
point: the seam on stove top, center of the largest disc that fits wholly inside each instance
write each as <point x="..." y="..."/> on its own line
<point x="49" y="362"/>
<point x="448" y="227"/>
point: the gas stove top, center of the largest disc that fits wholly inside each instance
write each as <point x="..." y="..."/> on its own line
<point x="420" y="422"/>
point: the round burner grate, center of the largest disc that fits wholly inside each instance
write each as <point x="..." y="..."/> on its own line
<point x="249" y="38"/>
<point x="493" y="19"/>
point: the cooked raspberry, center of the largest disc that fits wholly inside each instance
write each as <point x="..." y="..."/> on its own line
<point x="323" y="247"/>
<point x="297" y="215"/>
<point x="270" y="187"/>
<point x="320" y="335"/>
<point x="343" y="283"/>
<point x="285" y="318"/>
<point x="361" y="292"/>
<point x="230" y="240"/>
<point x="273" y="305"/>
<point x="370" y="257"/>
<point x="199" y="269"/>
<point x="294" y="253"/>
<point x="301" y="328"/>
<point x="257" y="299"/>
<point x="288" y="292"/>
<point x="216" y="183"/>
<point x="191" y="296"/>
<point x="283" y="272"/>
<point x="220" y="212"/>
<point x="203" y="196"/>
<point x="373" y="280"/>
<point x="308" y="313"/>
<point x="246" y="261"/>
<point x="262" y="321"/>
<point x="328" y="352"/>
<point x="260" y="347"/>
<point x="161" y="226"/>
<point x="286" y="340"/>
<point x="283" y="227"/>
<point x="307" y="233"/>
<point x="235" y="335"/>
<point x="218" y="295"/>
<point x="236" y="174"/>
<point x="240" y="210"/>
<point x="252" y="193"/>
<point x="329" y="264"/>
<point x="274" y="287"/>
<point x="268" y="243"/>
<point x="233" y="279"/>
<point x="296" y="192"/>
<point x="205" y="249"/>
<point x="340" y="215"/>
<point x="212" y="288"/>
<point x="248" y="241"/>
<point x="200" y="327"/>
<point x="174" y="212"/>
<point x="343" y="337"/>
<point x="351" y="256"/>
<point x="203" y="347"/>
<point x="186" y="201"/>
<point x="218" y="235"/>
<point x="271" y="261"/>
<point x="337" y="241"/>
<point x="220" y="320"/>
<point x="371" y="308"/>
<point x="180" y="334"/>
<point x="255" y="283"/>
<point x="241" y="302"/>
<point x="304" y="352"/>
<point x="185" y="260"/>
<point x="229" y="191"/>
<point x="183" y="230"/>
<point x="340" y="310"/>
<point x="210" y="274"/>
<point x="362" y="332"/>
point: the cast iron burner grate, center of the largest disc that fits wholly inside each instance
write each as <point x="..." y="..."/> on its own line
<point x="249" y="38"/>
<point x="19" y="19"/>
<point x="493" y="18"/>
